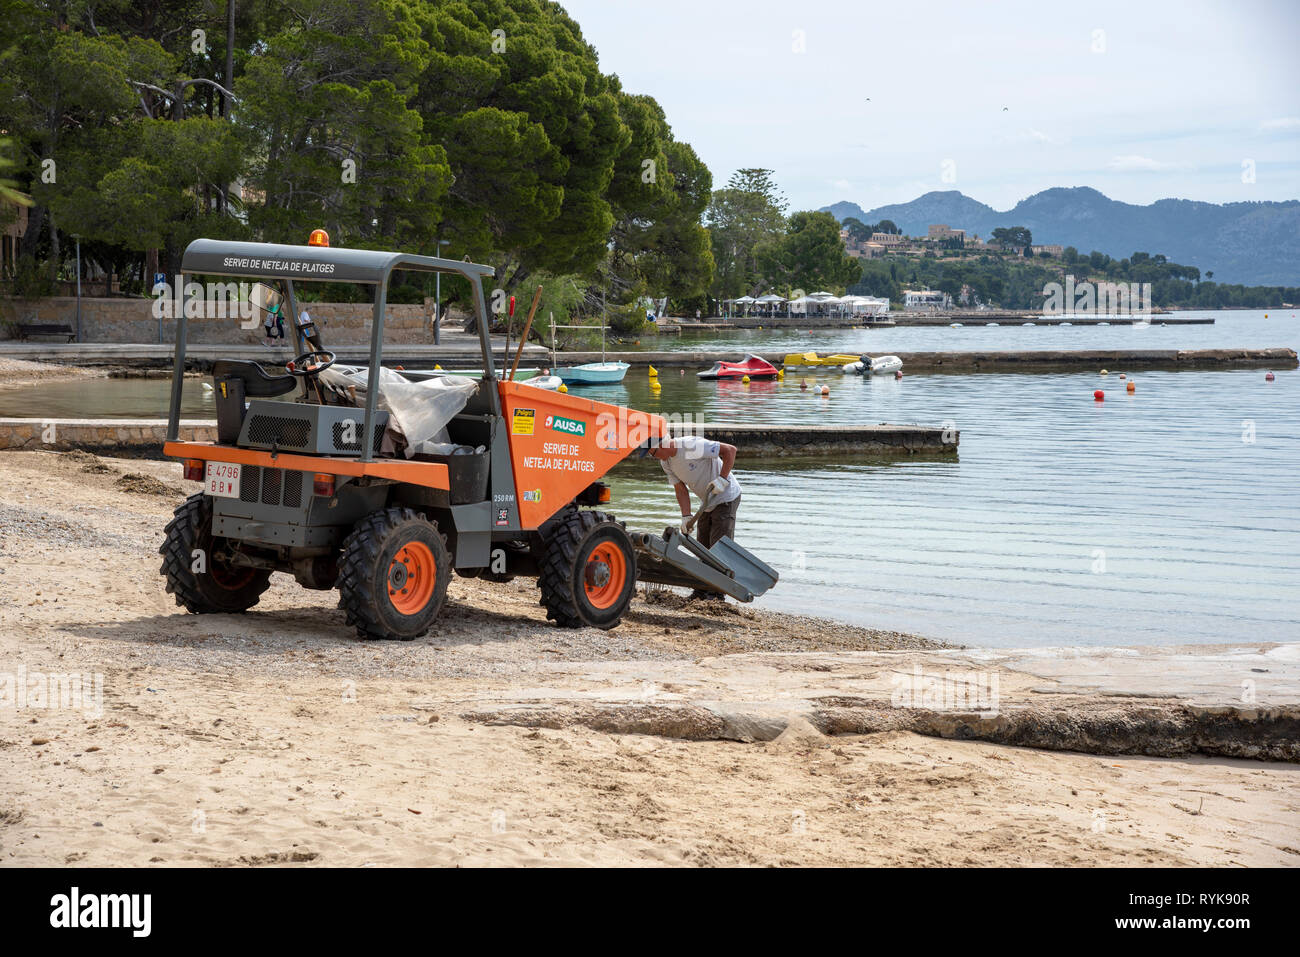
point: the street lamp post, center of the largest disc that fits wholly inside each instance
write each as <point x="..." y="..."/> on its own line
<point x="78" y="239"/>
<point x="437" y="295"/>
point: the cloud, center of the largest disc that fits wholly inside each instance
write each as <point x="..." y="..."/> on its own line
<point x="842" y="184"/>
<point x="1282" y="124"/>
<point x="1036" y="136"/>
<point x="1138" y="164"/>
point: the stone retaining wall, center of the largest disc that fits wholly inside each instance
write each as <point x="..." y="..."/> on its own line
<point x="132" y="320"/>
<point x="62" y="434"/>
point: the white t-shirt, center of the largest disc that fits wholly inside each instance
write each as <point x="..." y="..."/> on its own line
<point x="696" y="465"/>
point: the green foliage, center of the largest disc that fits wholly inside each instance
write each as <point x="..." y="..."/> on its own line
<point x="809" y="255"/>
<point x="390" y="123"/>
<point x="857" y="229"/>
<point x="745" y="215"/>
<point x="1013" y="237"/>
<point x="657" y="196"/>
<point x="627" y="319"/>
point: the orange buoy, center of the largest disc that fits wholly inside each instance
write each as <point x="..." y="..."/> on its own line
<point x="1132" y="386"/>
<point x="826" y="390"/>
<point x="1099" y="395"/>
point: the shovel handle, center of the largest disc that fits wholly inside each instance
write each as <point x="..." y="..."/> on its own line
<point x="708" y="497"/>
<point x="523" y="340"/>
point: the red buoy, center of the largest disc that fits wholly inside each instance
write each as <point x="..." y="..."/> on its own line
<point x="898" y="373"/>
<point x="1099" y="395"/>
<point x="1268" y="377"/>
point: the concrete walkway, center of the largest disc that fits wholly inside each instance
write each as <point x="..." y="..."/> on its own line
<point x="456" y="347"/>
<point x="148" y="435"/>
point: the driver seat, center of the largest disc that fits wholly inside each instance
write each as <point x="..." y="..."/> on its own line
<point x="255" y="379"/>
<point x="233" y="380"/>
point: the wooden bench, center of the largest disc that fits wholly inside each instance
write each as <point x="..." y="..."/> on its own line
<point x="26" y="330"/>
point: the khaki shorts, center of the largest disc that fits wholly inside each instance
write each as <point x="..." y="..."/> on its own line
<point x="718" y="522"/>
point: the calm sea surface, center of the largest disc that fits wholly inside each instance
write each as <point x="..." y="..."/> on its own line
<point x="1171" y="515"/>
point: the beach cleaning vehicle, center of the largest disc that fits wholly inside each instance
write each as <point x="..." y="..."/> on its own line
<point x="360" y="479"/>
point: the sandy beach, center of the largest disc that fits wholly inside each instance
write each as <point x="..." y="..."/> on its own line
<point x="277" y="738"/>
<point x="15" y="373"/>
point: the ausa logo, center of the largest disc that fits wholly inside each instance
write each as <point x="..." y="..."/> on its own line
<point x="568" y="426"/>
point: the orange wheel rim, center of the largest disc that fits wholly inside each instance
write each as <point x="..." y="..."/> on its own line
<point x="411" y="577"/>
<point x="230" y="578"/>
<point x="605" y="575"/>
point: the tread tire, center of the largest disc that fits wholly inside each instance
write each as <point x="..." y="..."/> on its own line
<point x="368" y="551"/>
<point x="202" y="593"/>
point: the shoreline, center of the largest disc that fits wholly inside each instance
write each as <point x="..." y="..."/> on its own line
<point x="688" y="735"/>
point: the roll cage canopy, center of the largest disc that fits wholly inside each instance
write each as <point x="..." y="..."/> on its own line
<point x="214" y="257"/>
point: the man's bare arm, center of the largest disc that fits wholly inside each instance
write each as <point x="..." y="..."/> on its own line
<point x="683" y="498"/>
<point x="728" y="455"/>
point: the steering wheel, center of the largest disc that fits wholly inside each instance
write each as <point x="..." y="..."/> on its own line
<point x="303" y="366"/>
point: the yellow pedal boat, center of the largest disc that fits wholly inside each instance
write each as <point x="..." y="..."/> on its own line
<point x="812" y="359"/>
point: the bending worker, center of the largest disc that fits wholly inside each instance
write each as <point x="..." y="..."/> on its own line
<point x="696" y="464"/>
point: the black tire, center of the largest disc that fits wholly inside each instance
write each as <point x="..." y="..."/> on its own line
<point x="221" y="588"/>
<point x="373" y="583"/>
<point x="568" y="542"/>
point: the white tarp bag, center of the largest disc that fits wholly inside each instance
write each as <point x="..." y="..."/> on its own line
<point x="419" y="410"/>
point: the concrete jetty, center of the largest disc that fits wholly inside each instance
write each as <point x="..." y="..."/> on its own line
<point x="462" y="355"/>
<point x="921" y="319"/>
<point x="145" y="437"/>
<point x="1054" y="360"/>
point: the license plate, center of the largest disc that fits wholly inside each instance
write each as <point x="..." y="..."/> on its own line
<point x="222" y="479"/>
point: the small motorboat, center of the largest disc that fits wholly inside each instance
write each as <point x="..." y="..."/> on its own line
<point x="548" y="382"/>
<point x="416" y="375"/>
<point x="880" y="365"/>
<point x="593" y="373"/>
<point x="751" y="366"/>
<point x="813" y="359"/>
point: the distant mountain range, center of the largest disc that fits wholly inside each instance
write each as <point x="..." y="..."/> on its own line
<point x="1257" y="244"/>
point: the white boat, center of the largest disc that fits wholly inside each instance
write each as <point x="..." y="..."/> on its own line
<point x="593" y="373"/>
<point x="880" y="365"/>
<point x="522" y="375"/>
<point x="548" y="382"/>
<point x="604" y="372"/>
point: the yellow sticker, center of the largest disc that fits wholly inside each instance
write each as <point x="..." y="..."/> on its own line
<point x="523" y="421"/>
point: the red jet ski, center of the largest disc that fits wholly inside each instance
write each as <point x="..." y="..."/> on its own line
<point x="752" y="366"/>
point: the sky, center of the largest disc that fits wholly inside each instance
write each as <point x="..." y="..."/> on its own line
<point x="877" y="103"/>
